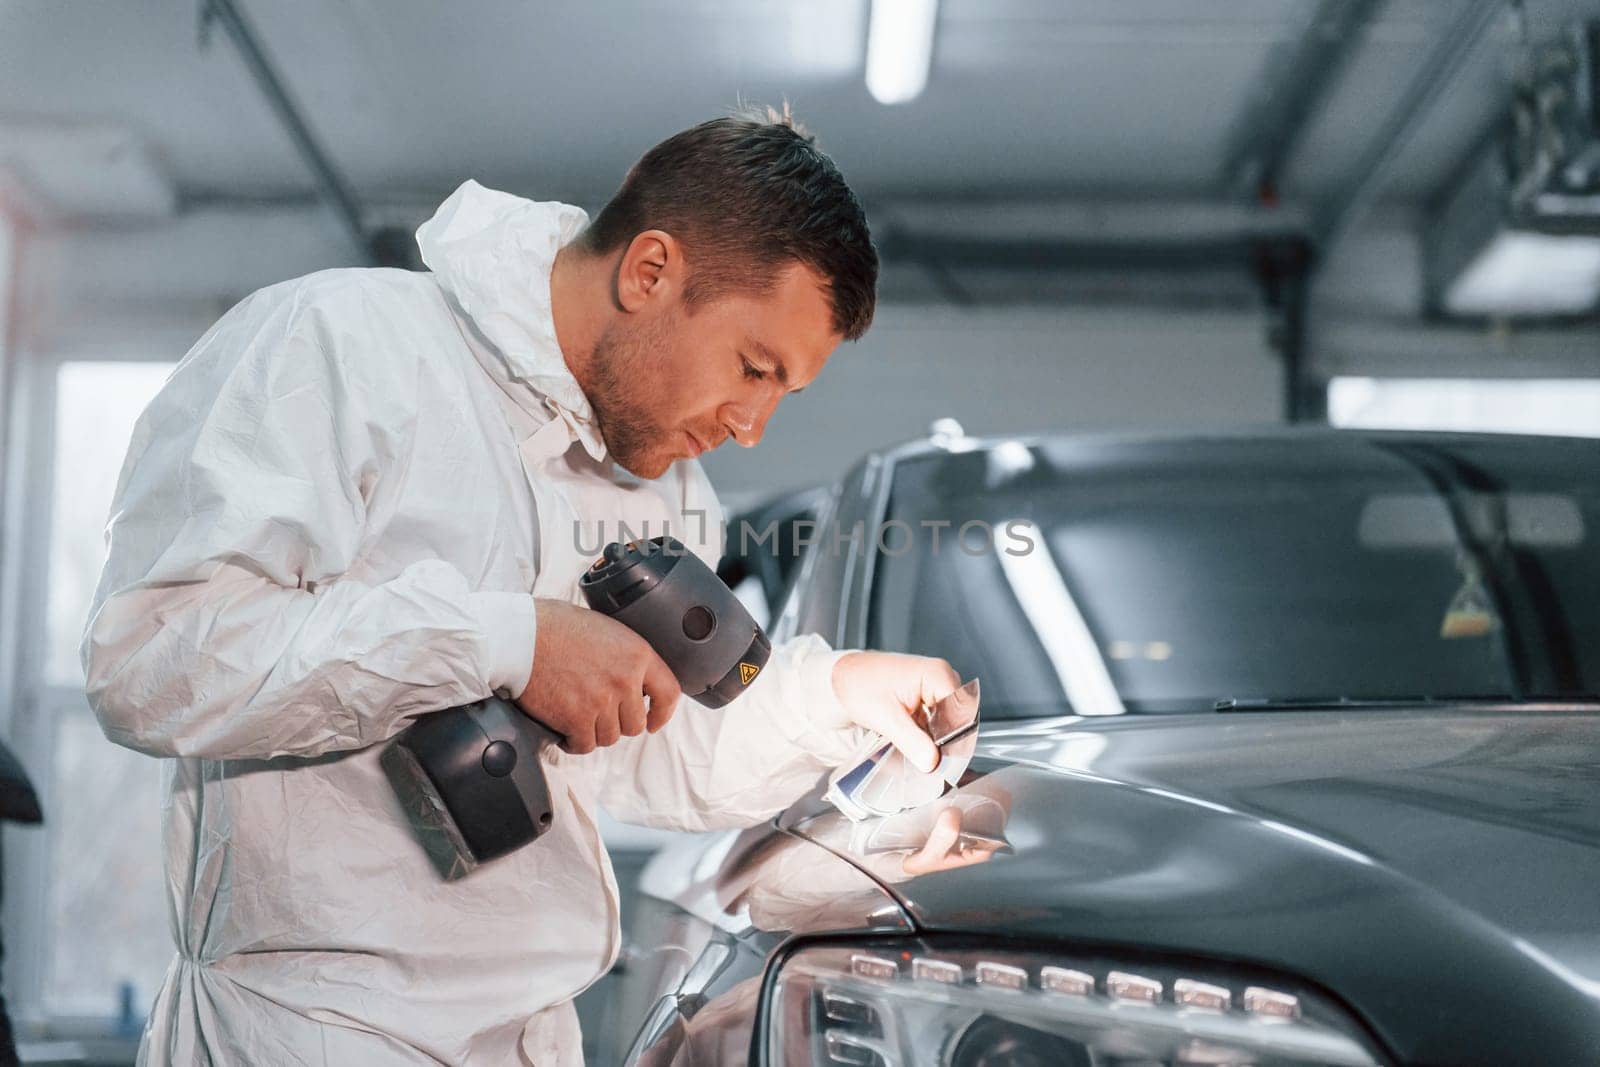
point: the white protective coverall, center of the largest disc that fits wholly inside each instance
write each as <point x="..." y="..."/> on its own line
<point x="330" y="521"/>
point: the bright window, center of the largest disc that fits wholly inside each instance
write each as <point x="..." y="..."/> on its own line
<point x="1536" y="406"/>
<point x="105" y="915"/>
<point x="96" y="407"/>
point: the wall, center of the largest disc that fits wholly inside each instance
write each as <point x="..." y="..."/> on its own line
<point x="1004" y="370"/>
<point x="147" y="285"/>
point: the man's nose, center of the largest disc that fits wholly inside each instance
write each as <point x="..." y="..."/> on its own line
<point x="746" y="424"/>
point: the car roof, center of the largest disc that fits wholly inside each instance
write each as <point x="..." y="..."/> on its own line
<point x="1266" y="435"/>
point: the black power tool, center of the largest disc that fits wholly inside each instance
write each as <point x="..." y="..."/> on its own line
<point x="480" y="763"/>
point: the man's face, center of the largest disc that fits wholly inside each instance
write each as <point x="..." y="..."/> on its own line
<point x="668" y="383"/>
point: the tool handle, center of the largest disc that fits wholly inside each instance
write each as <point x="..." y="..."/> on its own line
<point x="542" y="733"/>
<point x="482" y="762"/>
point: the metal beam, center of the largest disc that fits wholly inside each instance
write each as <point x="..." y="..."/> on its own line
<point x="1084" y="215"/>
<point x="1293" y="89"/>
<point x="1283" y="270"/>
<point x="1218" y="253"/>
<point x="1372" y="172"/>
<point x="13" y="472"/>
<point x="332" y="187"/>
<point x="1410" y="348"/>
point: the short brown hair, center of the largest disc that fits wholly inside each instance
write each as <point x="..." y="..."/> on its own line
<point x="744" y="194"/>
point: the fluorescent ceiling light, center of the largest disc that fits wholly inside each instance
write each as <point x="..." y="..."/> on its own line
<point x="900" y="48"/>
<point x="1520" y="273"/>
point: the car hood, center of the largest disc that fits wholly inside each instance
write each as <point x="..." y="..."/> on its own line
<point x="1438" y="871"/>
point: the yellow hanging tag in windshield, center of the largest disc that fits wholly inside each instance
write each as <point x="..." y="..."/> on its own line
<point x="1470" y="612"/>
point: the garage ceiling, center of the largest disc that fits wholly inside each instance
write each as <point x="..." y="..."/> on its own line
<point x="1110" y="98"/>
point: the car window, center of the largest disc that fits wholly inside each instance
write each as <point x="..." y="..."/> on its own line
<point x="1168" y="577"/>
<point x="814" y="602"/>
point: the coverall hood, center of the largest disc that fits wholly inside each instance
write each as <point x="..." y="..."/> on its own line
<point x="491" y="253"/>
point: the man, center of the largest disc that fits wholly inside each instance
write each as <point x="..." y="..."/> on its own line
<point x="358" y="500"/>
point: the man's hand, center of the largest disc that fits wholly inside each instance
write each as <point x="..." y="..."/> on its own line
<point x="591" y="675"/>
<point x="884" y="690"/>
<point x="944" y="850"/>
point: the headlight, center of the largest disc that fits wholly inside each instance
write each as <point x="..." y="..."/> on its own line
<point x="899" y="1003"/>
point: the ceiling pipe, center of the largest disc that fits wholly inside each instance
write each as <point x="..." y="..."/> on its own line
<point x="332" y="187"/>
<point x="1373" y="170"/>
<point x="1289" y="95"/>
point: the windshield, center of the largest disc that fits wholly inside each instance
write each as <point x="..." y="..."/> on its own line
<point x="1140" y="576"/>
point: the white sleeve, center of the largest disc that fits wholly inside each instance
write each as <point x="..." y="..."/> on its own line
<point x="737" y="765"/>
<point x="223" y="626"/>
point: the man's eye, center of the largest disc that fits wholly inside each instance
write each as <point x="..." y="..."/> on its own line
<point x="751" y="370"/>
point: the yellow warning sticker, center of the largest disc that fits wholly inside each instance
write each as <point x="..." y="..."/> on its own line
<point x="747" y="671"/>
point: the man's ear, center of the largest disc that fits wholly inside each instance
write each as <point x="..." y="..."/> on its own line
<point x="651" y="270"/>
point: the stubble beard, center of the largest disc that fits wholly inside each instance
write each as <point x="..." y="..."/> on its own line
<point x="620" y="390"/>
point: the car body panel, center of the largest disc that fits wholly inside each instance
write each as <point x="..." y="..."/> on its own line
<point x="713" y="909"/>
<point x="761" y="884"/>
<point x="1438" y="871"/>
